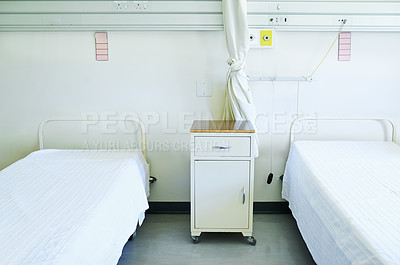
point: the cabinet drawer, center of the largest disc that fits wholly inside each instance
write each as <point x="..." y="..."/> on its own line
<point x="222" y="146"/>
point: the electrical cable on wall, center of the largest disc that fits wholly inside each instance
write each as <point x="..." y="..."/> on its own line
<point x="309" y="78"/>
<point x="269" y="179"/>
<point x="271" y="174"/>
<point x="297" y="99"/>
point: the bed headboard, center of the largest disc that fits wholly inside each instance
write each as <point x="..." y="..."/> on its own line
<point x="297" y="121"/>
<point x="135" y="122"/>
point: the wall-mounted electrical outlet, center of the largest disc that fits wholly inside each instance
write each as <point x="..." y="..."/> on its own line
<point x="120" y="6"/>
<point x="253" y="38"/>
<point x="278" y="20"/>
<point x="141" y="6"/>
<point x="132" y="6"/>
<point x="261" y="38"/>
<point x="266" y="37"/>
<point x="203" y="88"/>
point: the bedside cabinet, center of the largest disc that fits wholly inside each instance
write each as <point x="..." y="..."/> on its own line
<point x="222" y="178"/>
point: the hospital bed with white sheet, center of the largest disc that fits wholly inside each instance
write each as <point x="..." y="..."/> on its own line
<point x="60" y="206"/>
<point x="345" y="197"/>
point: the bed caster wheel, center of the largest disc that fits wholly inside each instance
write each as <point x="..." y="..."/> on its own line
<point x="195" y="239"/>
<point x="252" y="241"/>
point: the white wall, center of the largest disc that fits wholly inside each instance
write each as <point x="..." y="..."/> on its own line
<point x="55" y="75"/>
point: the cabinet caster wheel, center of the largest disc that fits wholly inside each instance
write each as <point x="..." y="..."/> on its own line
<point x="195" y="239"/>
<point x="252" y="241"/>
<point x="132" y="236"/>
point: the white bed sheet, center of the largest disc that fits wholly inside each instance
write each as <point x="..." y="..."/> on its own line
<point x="70" y="206"/>
<point x="345" y="197"/>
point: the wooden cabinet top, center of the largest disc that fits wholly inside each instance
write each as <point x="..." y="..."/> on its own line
<point x="217" y="126"/>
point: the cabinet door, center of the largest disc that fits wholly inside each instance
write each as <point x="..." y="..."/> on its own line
<point x="219" y="190"/>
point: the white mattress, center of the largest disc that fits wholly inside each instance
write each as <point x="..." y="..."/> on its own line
<point x="70" y="206"/>
<point x="345" y="197"/>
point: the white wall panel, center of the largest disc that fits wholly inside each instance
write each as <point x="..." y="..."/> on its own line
<point x="46" y="75"/>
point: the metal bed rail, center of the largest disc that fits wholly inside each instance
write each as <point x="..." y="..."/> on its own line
<point x="301" y="119"/>
<point x="137" y="121"/>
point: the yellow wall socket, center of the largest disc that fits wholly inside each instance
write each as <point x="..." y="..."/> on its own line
<point x="266" y="38"/>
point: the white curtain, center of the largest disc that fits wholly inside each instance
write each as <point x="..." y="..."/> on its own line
<point x="239" y="103"/>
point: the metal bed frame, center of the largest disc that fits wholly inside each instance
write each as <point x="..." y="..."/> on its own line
<point x="301" y="119"/>
<point x="137" y="121"/>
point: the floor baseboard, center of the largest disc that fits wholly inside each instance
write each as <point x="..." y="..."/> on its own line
<point x="271" y="207"/>
<point x="184" y="207"/>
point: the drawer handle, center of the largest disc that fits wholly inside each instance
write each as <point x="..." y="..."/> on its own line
<point x="221" y="147"/>
<point x="244" y="195"/>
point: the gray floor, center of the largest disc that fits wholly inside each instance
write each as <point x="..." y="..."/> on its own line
<point x="165" y="239"/>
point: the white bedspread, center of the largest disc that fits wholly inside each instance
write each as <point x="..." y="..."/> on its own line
<point x="345" y="197"/>
<point x="70" y="206"/>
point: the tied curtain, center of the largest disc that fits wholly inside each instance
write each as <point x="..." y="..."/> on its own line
<point x="239" y="103"/>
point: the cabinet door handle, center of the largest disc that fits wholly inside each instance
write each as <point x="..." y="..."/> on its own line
<point x="244" y="195"/>
<point x="221" y="147"/>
